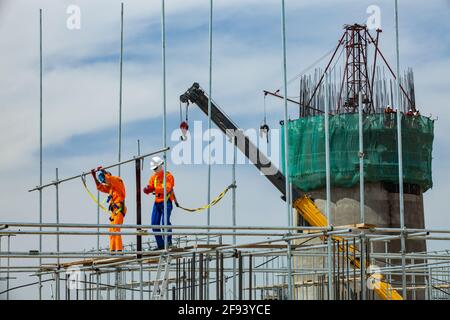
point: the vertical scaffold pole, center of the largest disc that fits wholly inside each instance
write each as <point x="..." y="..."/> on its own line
<point x="97" y="283"/>
<point x="138" y="205"/>
<point x="40" y="146"/>
<point x="120" y="87"/>
<point x="361" y="159"/>
<point x="363" y="266"/>
<point x="233" y="209"/>
<point x="200" y="276"/>
<point x="193" y="276"/>
<point x="222" y="280"/>
<point x="240" y="271"/>
<point x="141" y="281"/>
<point x="217" y="276"/>
<point x="286" y="145"/>
<point x="328" y="192"/>
<point x="163" y="53"/>
<point x="210" y="39"/>
<point x="8" y="267"/>
<point x="250" y="275"/>
<point x="58" y="283"/>
<point x="98" y="221"/>
<point x="400" y="155"/>
<point x="0" y="251"/>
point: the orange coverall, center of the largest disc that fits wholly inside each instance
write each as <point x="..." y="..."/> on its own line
<point x="115" y="187"/>
<point x="156" y="185"/>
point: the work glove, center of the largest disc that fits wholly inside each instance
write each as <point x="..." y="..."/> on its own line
<point x="93" y="171"/>
<point x="147" y="190"/>
<point x="94" y="176"/>
<point x="176" y="203"/>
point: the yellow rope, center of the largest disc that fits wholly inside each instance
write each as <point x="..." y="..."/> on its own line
<point x="213" y="202"/>
<point x="83" y="179"/>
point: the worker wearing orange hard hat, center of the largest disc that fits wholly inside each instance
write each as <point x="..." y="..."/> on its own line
<point x="114" y="186"/>
<point x="156" y="186"/>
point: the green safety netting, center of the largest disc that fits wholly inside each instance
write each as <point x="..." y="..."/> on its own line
<point x="306" y="140"/>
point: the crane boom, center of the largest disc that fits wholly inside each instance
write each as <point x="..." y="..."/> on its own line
<point x="300" y="201"/>
<point x="198" y="96"/>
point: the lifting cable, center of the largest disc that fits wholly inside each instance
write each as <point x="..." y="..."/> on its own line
<point x="312" y="65"/>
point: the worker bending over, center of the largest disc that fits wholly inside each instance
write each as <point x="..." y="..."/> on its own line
<point x="155" y="186"/>
<point x="115" y="187"/>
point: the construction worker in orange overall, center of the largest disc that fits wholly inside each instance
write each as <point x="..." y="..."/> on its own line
<point x="156" y="186"/>
<point x="115" y="187"/>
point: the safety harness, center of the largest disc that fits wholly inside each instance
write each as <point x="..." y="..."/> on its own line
<point x="209" y="205"/>
<point x="112" y="206"/>
<point x="155" y="182"/>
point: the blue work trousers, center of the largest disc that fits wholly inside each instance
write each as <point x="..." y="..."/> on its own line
<point x="158" y="219"/>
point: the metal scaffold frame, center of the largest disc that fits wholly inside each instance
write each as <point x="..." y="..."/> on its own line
<point x="186" y="272"/>
<point x="295" y="262"/>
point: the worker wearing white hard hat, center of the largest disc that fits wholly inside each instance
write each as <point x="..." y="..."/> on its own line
<point x="156" y="186"/>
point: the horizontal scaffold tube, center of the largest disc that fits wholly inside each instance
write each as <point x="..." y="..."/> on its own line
<point x="107" y="167"/>
<point x="136" y="226"/>
<point x="152" y="233"/>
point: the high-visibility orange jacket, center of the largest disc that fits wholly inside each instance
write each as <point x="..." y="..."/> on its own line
<point x="115" y="187"/>
<point x="156" y="184"/>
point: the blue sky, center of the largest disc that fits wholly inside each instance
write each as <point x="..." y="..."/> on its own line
<point x="81" y="91"/>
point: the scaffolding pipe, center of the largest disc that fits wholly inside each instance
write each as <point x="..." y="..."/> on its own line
<point x="40" y="141"/>
<point x="58" y="290"/>
<point x="131" y="255"/>
<point x="363" y="267"/>
<point x="361" y="160"/>
<point x="222" y="280"/>
<point x="400" y="151"/>
<point x="163" y="53"/>
<point x="210" y="43"/>
<point x="328" y="190"/>
<point x="154" y="233"/>
<point x="138" y="203"/>
<point x="200" y="276"/>
<point x="98" y="220"/>
<point x="250" y="275"/>
<point x="8" y="268"/>
<point x="40" y="187"/>
<point x="286" y="140"/>
<point x="120" y="88"/>
<point x="210" y="38"/>
<point x="218" y="227"/>
<point x="193" y="276"/>
<point x="240" y="272"/>
<point x="217" y="275"/>
<point x="233" y="208"/>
